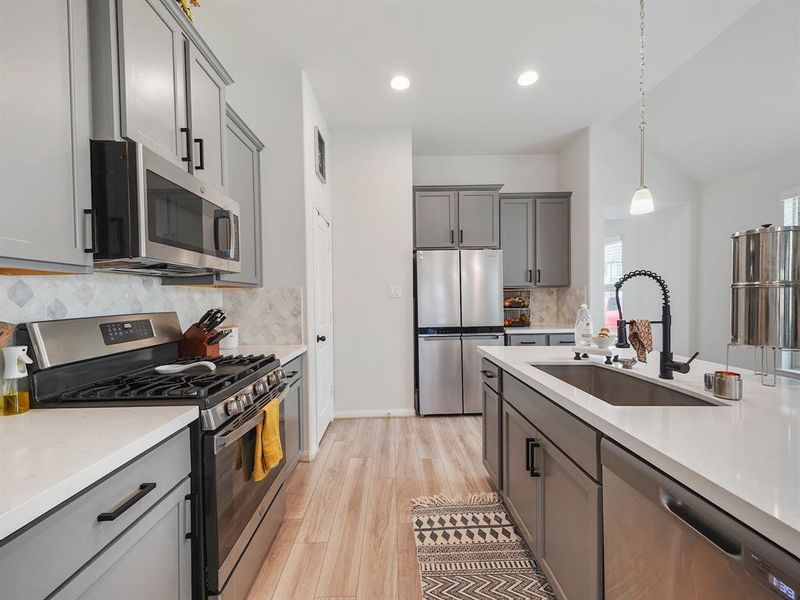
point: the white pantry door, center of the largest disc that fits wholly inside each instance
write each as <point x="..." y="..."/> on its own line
<point x="323" y="320"/>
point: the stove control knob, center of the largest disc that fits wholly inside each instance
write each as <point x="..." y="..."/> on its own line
<point x="246" y="399"/>
<point x="272" y="379"/>
<point x="235" y="407"/>
<point x="260" y="387"/>
<point x="280" y="374"/>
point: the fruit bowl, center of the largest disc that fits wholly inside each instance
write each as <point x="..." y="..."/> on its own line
<point x="604" y="342"/>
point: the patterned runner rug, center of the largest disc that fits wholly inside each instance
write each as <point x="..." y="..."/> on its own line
<point x="468" y="549"/>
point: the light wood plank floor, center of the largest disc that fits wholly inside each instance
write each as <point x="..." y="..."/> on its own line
<point x="347" y="531"/>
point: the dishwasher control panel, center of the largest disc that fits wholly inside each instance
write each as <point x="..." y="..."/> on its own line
<point x="781" y="584"/>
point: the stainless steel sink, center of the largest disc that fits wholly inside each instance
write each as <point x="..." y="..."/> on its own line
<point x="619" y="389"/>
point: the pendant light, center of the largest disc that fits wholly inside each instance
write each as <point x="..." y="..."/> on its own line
<point x="642" y="201"/>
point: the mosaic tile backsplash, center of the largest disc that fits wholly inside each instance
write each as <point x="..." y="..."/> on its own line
<point x="264" y="316"/>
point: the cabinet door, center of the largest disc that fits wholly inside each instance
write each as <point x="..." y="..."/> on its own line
<point x="552" y="241"/>
<point x="152" y="559"/>
<point x="521" y="474"/>
<point x="436" y="219"/>
<point x="208" y="120"/>
<point x="153" y="78"/>
<point x="292" y="416"/>
<point x="244" y="186"/>
<point x="516" y="240"/>
<point x="492" y="407"/>
<point x="45" y="129"/>
<point x="529" y="339"/>
<point x="479" y="219"/>
<point x="570" y="539"/>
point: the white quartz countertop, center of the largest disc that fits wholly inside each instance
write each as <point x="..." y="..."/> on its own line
<point x="541" y="329"/>
<point x="49" y="455"/>
<point x="742" y="456"/>
<point x="284" y="352"/>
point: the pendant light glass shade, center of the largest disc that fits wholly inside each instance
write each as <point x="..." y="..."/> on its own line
<point x="642" y="202"/>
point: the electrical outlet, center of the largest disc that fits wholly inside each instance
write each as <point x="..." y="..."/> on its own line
<point x="395" y="291"/>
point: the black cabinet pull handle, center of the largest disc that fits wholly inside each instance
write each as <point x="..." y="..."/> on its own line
<point x="144" y="489"/>
<point x="538" y="276"/>
<point x="529" y="343"/>
<point x="530" y="459"/>
<point x="188" y="134"/>
<point x="488" y="374"/>
<point x="321" y="338"/>
<point x="92" y="229"/>
<point x="452" y="236"/>
<point x="566" y="341"/>
<point x="202" y="164"/>
<point x="460" y="236"/>
<point x="530" y="275"/>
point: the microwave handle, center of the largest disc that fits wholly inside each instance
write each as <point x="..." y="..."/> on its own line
<point x="221" y="219"/>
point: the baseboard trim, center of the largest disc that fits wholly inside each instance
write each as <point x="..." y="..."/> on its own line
<point x="366" y="414"/>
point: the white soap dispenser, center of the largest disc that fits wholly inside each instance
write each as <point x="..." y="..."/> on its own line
<point x="16" y="398"/>
<point x="583" y="327"/>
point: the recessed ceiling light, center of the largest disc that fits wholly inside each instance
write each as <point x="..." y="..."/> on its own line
<point x="528" y="78"/>
<point x="400" y="83"/>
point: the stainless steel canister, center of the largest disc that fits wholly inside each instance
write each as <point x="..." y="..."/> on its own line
<point x="765" y="291"/>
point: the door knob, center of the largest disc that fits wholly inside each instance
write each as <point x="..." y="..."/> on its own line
<point x="321" y="338"/>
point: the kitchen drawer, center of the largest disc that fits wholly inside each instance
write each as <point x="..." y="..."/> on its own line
<point x="491" y="374"/>
<point x="562" y="339"/>
<point x="576" y="439"/>
<point x="69" y="537"/>
<point x="527" y="339"/>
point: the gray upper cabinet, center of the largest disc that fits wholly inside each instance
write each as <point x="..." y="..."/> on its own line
<point x="45" y="127"/>
<point x="208" y="119"/>
<point x="535" y="236"/>
<point x="152" y="60"/>
<point x="479" y="219"/>
<point x="155" y="81"/>
<point x="436" y="219"/>
<point x="456" y="217"/>
<point x="517" y="226"/>
<point x="244" y="185"/>
<point x="552" y="241"/>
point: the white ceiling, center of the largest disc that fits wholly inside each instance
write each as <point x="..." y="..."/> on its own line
<point x="463" y="59"/>
<point x="733" y="105"/>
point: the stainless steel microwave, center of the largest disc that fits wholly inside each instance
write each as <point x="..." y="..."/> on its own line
<point x="149" y="216"/>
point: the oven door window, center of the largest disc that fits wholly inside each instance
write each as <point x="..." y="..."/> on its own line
<point x="176" y="217"/>
<point x="237" y="495"/>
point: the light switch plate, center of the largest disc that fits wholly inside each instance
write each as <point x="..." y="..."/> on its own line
<point x="395" y="291"/>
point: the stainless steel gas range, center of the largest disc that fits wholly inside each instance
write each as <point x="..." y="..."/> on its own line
<point x="111" y="361"/>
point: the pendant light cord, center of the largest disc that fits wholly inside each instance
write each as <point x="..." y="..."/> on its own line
<point x="641" y="93"/>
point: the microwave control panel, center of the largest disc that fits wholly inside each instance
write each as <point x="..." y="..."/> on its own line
<point x="126" y="331"/>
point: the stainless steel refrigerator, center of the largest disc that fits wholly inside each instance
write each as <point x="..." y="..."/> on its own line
<point x="459" y="296"/>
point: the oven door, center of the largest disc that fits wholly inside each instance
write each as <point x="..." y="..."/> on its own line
<point x="234" y="503"/>
<point x="186" y="221"/>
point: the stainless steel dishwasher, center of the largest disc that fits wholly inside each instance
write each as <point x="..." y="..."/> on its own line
<point x="663" y="542"/>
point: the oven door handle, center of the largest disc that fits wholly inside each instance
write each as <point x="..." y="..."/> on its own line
<point x="223" y="440"/>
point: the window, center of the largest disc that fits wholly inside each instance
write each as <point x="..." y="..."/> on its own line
<point x="612" y="261"/>
<point x="791" y="216"/>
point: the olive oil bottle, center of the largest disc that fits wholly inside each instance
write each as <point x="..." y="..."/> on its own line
<point x="16" y="399"/>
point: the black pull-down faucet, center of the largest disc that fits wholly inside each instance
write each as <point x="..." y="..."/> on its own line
<point x="665" y="364"/>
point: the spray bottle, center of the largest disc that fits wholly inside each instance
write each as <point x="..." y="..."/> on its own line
<point x="16" y="398"/>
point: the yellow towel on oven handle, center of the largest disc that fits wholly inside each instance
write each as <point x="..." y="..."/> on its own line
<point x="268" y="450"/>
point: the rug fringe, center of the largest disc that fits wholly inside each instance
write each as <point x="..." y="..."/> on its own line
<point x="443" y="500"/>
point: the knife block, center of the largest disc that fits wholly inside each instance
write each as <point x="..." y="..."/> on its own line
<point x="195" y="343"/>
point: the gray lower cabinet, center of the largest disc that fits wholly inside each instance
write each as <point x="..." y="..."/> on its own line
<point x="45" y="127"/>
<point x="478" y="219"/>
<point x="435" y="219"/>
<point x="128" y="536"/>
<point x="492" y="411"/>
<point x="244" y="186"/>
<point x="570" y="542"/>
<point x="526" y="339"/>
<point x="293" y="412"/>
<point x="535" y="237"/>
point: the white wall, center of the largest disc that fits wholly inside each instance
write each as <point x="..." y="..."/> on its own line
<point x="742" y="201"/>
<point x="661" y="241"/>
<point x="518" y="173"/>
<point x="371" y="179"/>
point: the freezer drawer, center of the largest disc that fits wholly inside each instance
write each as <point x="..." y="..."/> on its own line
<point x="481" y="288"/>
<point x="440" y="375"/>
<point x="438" y="289"/>
<point x="689" y="549"/>
<point x="471" y="361"/>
